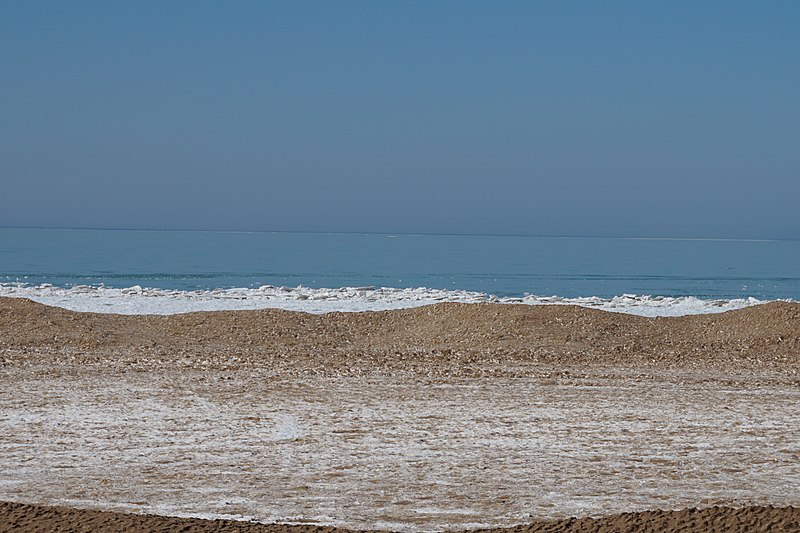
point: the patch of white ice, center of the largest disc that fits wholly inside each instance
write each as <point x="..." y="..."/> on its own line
<point x="137" y="300"/>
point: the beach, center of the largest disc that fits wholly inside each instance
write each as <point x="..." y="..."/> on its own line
<point x="444" y="417"/>
<point x="399" y="267"/>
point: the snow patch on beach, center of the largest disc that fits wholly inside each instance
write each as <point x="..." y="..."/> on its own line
<point x="138" y="300"/>
<point x="287" y="430"/>
<point x="404" y="455"/>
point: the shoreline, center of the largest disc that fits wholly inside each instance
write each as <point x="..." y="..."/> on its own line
<point x="138" y="300"/>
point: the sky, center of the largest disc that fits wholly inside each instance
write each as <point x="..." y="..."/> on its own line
<point x="651" y="119"/>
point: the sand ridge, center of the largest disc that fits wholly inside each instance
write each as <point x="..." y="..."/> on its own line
<point x="756" y="519"/>
<point x="447" y="338"/>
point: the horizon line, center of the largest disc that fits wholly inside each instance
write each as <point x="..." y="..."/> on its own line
<point x="407" y="233"/>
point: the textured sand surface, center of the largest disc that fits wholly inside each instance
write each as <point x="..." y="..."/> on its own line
<point x="28" y="518"/>
<point x="444" y="339"/>
<point x="447" y="417"/>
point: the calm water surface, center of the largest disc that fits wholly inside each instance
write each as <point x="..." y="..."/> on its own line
<point x="501" y="265"/>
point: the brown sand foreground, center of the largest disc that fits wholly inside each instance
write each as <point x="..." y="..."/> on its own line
<point x="29" y="518"/>
<point x="448" y="417"/>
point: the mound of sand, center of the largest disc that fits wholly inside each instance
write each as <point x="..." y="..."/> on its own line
<point x="28" y="518"/>
<point x="445" y="338"/>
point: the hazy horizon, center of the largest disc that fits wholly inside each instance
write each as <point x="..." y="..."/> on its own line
<point x="399" y="233"/>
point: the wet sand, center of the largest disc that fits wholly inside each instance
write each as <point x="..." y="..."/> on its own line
<point x="455" y="416"/>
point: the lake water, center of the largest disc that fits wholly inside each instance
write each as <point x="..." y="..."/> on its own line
<point x="373" y="271"/>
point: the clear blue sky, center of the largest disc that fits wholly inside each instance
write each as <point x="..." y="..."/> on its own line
<point x="551" y="118"/>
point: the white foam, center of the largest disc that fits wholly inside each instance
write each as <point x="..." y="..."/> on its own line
<point x="137" y="300"/>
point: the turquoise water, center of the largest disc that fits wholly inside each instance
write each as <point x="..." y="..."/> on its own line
<point x="499" y="265"/>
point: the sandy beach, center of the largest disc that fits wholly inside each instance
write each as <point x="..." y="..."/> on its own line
<point x="453" y="416"/>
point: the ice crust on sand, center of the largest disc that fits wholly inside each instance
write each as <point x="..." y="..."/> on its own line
<point x="406" y="455"/>
<point x="138" y="300"/>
